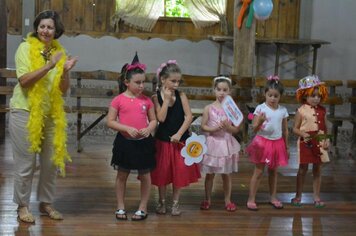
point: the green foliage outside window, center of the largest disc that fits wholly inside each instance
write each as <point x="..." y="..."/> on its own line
<point x="175" y="8"/>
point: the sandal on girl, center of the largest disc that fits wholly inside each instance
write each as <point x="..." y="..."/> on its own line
<point x="51" y="212"/>
<point x="276" y="204"/>
<point x="24" y="215"/>
<point x="296" y="202"/>
<point x="319" y="204"/>
<point x="205" y="205"/>
<point x="230" y="207"/>
<point x="161" y="207"/>
<point x="120" y="214"/>
<point x="139" y="215"/>
<point x="252" y="206"/>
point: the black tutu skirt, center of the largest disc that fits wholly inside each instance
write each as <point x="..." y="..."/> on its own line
<point x="133" y="154"/>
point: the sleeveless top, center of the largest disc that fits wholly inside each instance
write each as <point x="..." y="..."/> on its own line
<point x="173" y="121"/>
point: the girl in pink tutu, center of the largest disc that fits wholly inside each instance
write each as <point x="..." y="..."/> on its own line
<point x="174" y="116"/>
<point x="269" y="146"/>
<point x="222" y="155"/>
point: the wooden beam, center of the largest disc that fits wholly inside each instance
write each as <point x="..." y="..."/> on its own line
<point x="244" y="46"/>
<point x="3" y="62"/>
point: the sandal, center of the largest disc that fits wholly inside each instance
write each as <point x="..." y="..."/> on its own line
<point x="161" y="207"/>
<point x="120" y="214"/>
<point x="319" y="204"/>
<point x="175" y="209"/>
<point x="276" y="204"/>
<point x="24" y="215"/>
<point x="48" y="210"/>
<point x="205" y="205"/>
<point x="139" y="215"/>
<point x="252" y="206"/>
<point x="296" y="202"/>
<point x="230" y="207"/>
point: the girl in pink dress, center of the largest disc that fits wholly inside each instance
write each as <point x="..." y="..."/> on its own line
<point x="222" y="155"/>
<point x="269" y="146"/>
<point x="310" y="120"/>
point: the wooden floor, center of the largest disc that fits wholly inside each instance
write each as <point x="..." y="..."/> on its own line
<point x="86" y="198"/>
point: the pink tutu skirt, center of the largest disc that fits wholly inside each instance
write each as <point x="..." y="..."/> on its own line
<point x="272" y="153"/>
<point x="222" y="156"/>
<point x="170" y="167"/>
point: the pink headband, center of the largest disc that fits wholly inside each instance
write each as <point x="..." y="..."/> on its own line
<point x="163" y="65"/>
<point x="136" y="65"/>
<point x="273" y="77"/>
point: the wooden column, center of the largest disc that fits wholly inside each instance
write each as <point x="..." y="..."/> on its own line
<point x="3" y="62"/>
<point x="244" y="46"/>
<point x="244" y="54"/>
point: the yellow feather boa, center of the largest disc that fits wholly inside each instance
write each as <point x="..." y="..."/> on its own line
<point x="36" y="99"/>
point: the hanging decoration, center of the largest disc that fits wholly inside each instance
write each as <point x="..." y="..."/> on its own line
<point x="240" y="17"/>
<point x="262" y="9"/>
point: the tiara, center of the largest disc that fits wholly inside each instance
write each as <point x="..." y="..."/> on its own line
<point x="222" y="78"/>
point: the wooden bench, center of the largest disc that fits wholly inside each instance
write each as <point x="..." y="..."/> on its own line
<point x="289" y="99"/>
<point x="351" y="84"/>
<point x="89" y="96"/>
<point x="6" y="90"/>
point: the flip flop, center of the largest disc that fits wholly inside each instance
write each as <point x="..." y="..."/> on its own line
<point x="120" y="214"/>
<point x="252" y="206"/>
<point x="205" y="205"/>
<point x="230" y="207"/>
<point x="319" y="204"/>
<point x="296" y="202"/>
<point x="276" y="204"/>
<point x="139" y="215"/>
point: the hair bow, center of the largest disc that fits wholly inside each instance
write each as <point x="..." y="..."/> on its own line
<point x="136" y="65"/>
<point x="160" y="68"/>
<point x="273" y="77"/>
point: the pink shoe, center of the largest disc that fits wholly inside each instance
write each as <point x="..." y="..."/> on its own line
<point x="205" y="205"/>
<point x="252" y="206"/>
<point x="276" y="204"/>
<point x="230" y="207"/>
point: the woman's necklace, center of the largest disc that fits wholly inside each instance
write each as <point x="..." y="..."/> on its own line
<point x="47" y="53"/>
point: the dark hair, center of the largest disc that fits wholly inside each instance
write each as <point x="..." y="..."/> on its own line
<point x="127" y="75"/>
<point x="168" y="69"/>
<point x="274" y="84"/>
<point x="49" y="14"/>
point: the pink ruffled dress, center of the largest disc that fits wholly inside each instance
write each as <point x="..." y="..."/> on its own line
<point x="222" y="155"/>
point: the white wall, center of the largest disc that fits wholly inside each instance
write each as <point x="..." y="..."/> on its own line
<point x="334" y="21"/>
<point x="328" y="20"/>
<point x="109" y="53"/>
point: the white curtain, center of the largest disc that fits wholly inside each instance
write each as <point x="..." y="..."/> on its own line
<point x="207" y="12"/>
<point x="141" y="14"/>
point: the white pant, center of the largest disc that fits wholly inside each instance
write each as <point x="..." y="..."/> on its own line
<point x="25" y="161"/>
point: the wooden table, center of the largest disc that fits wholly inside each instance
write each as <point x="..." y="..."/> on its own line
<point x="281" y="45"/>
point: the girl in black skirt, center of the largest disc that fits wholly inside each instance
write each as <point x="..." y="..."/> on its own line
<point x="132" y="114"/>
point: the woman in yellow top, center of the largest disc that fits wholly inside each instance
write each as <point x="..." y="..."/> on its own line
<point x="37" y="122"/>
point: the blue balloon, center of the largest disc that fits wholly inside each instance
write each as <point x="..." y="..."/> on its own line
<point x="262" y="9"/>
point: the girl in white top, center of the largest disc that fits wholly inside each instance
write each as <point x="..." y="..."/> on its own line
<point x="268" y="148"/>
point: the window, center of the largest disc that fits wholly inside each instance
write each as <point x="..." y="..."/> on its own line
<point x="175" y="8"/>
